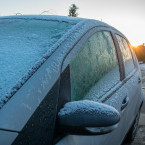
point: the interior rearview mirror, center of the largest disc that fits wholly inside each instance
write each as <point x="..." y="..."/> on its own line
<point x="87" y="118"/>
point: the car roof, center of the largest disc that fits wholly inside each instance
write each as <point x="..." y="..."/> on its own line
<point x="67" y="19"/>
<point x="73" y="20"/>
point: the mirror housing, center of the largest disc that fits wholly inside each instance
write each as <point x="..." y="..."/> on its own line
<point x="87" y="118"/>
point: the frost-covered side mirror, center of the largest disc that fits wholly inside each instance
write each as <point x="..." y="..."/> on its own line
<point x="87" y="118"/>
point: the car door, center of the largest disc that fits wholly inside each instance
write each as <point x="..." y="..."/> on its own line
<point x="132" y="80"/>
<point x="94" y="72"/>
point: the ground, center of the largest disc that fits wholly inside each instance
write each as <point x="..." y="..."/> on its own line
<point x="140" y="135"/>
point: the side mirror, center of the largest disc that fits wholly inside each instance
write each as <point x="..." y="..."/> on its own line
<point x="87" y="118"/>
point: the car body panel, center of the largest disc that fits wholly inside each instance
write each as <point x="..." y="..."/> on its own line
<point x="6" y="137"/>
<point x="28" y="98"/>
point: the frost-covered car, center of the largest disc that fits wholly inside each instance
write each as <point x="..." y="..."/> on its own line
<point x="66" y="81"/>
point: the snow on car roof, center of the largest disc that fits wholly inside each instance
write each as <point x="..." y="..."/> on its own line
<point x="23" y="45"/>
<point x="24" y="48"/>
<point x="72" y="20"/>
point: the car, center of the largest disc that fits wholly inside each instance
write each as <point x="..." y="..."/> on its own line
<point x="66" y="81"/>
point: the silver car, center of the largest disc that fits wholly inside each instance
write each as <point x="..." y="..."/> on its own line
<point x="66" y="81"/>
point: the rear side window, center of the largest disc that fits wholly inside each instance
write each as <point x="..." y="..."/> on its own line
<point x="94" y="70"/>
<point x="126" y="53"/>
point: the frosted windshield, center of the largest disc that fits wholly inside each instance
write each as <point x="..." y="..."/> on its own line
<point x="23" y="43"/>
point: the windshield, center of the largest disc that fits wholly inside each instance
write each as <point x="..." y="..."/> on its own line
<point x="23" y="42"/>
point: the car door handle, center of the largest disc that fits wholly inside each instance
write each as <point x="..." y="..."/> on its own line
<point x="124" y="103"/>
<point x="139" y="80"/>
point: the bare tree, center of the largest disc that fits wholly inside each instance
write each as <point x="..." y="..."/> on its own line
<point x="18" y="14"/>
<point x="73" y="11"/>
<point x="50" y="11"/>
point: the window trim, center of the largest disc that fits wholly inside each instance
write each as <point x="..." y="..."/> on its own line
<point x="120" y="57"/>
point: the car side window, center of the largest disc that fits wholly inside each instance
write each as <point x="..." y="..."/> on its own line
<point x="94" y="70"/>
<point x="126" y="53"/>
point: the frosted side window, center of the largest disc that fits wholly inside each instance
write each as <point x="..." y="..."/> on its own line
<point x="127" y="57"/>
<point x="94" y="70"/>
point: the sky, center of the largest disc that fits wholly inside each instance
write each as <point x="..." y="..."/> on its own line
<point x="128" y="16"/>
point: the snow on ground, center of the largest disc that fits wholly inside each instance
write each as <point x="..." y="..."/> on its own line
<point x="142" y="67"/>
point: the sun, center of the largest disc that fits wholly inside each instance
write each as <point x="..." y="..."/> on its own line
<point x="135" y="43"/>
<point x="135" y="46"/>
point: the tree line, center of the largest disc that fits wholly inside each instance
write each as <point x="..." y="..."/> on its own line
<point x="140" y="52"/>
